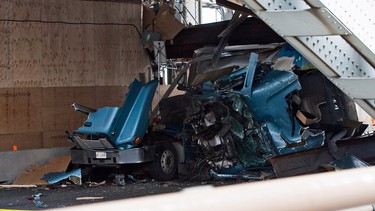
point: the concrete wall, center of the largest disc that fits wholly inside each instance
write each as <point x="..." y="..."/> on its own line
<point x="14" y="162"/>
<point x="57" y="52"/>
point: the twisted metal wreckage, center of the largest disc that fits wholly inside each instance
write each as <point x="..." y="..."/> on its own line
<point x="246" y="111"/>
<point x="237" y="120"/>
<point x="233" y="119"/>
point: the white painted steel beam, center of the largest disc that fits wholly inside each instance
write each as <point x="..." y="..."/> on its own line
<point x="335" y="36"/>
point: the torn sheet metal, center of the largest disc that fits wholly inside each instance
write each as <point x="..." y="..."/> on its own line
<point x="199" y="36"/>
<point x="311" y="161"/>
<point x="235" y="116"/>
<point x="266" y="126"/>
<point x="202" y="71"/>
<point x="348" y="162"/>
<point x="262" y="119"/>
<point x="38" y="202"/>
<point x="55" y="177"/>
<point x="243" y="118"/>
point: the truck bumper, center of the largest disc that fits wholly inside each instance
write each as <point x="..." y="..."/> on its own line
<point x="110" y="157"/>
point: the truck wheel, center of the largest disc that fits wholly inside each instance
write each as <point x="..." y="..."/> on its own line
<point x="164" y="167"/>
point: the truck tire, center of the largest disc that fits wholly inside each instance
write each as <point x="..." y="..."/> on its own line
<point x="164" y="167"/>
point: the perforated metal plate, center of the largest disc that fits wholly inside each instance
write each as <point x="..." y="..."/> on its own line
<point x="359" y="16"/>
<point x="284" y="5"/>
<point x="339" y="56"/>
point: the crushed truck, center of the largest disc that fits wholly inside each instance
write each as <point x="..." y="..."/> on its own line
<point x="233" y="119"/>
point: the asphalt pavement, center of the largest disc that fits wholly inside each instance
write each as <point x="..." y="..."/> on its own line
<point x="64" y="195"/>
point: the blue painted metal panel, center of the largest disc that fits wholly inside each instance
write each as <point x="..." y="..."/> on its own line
<point x="133" y="118"/>
<point x="55" y="177"/>
<point x="99" y="122"/>
<point x="269" y="106"/>
<point x="124" y="124"/>
<point x="250" y="71"/>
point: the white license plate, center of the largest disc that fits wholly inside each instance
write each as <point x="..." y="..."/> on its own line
<point x="101" y="155"/>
